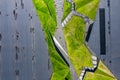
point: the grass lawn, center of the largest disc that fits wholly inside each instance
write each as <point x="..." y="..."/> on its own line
<point x="67" y="9"/>
<point x="87" y="7"/>
<point x="74" y="36"/>
<point x="102" y="73"/>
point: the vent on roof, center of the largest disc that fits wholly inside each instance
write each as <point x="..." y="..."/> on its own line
<point x="102" y="31"/>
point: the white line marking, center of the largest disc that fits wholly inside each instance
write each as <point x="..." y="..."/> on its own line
<point x="60" y="46"/>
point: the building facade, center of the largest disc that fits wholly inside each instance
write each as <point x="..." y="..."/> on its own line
<point x="104" y="39"/>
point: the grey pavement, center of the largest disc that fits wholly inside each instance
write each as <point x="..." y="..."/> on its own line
<point x="112" y="29"/>
<point x="23" y="49"/>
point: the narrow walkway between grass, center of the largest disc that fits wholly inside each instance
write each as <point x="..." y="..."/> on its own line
<point x="59" y="37"/>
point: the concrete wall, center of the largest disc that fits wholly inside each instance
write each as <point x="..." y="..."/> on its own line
<point x="112" y="28"/>
<point x="23" y="50"/>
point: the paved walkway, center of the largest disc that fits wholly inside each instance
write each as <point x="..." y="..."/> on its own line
<point x="59" y="11"/>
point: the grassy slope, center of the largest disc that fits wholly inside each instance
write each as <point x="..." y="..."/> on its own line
<point x="67" y="9"/>
<point x="47" y="15"/>
<point x="87" y="7"/>
<point x="74" y="35"/>
<point x="102" y="73"/>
